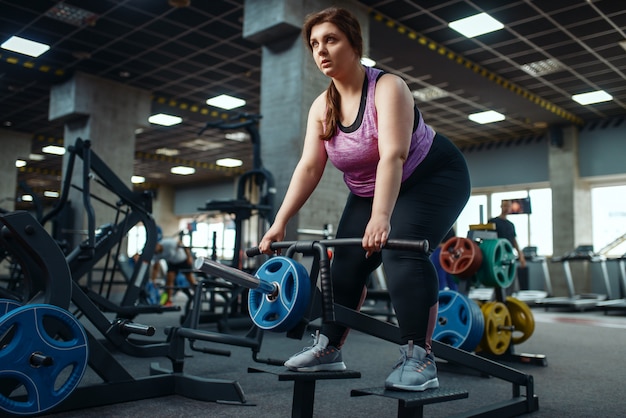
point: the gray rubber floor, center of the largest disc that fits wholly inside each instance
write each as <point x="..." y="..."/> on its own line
<point x="584" y="353"/>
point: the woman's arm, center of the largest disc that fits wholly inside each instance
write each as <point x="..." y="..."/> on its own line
<point x="306" y="175"/>
<point x="394" y="106"/>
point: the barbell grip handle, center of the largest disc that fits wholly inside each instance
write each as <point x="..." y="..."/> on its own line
<point x="233" y="275"/>
<point x="392" y="244"/>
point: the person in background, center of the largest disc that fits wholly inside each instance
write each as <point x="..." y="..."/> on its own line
<point x="178" y="259"/>
<point x="405" y="182"/>
<point x="505" y="229"/>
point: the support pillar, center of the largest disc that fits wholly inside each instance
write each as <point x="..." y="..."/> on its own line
<point x="15" y="146"/>
<point x="107" y="113"/>
<point x="571" y="210"/>
<point x="290" y="81"/>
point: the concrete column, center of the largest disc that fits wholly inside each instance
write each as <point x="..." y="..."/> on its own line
<point x="571" y="210"/>
<point x="107" y="113"/>
<point x="163" y="210"/>
<point x="15" y="146"/>
<point x="290" y="82"/>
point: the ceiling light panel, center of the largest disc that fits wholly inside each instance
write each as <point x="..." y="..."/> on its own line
<point x="541" y="68"/>
<point x="200" y="144"/>
<point x="71" y="14"/>
<point x="25" y="46"/>
<point x="224" y="101"/>
<point x="182" y="170"/>
<point x="165" y="119"/>
<point x="592" y="97"/>
<point x="476" y="25"/>
<point x="489" y="116"/>
<point x="229" y="162"/>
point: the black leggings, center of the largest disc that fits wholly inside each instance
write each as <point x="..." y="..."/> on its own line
<point x="429" y="203"/>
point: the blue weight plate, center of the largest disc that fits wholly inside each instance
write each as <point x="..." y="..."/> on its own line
<point x="49" y="332"/>
<point x="7" y="305"/>
<point x="460" y="322"/>
<point x="282" y="312"/>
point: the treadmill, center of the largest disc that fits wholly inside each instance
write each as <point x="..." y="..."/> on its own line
<point x="578" y="302"/>
<point x="530" y="290"/>
<point x="617" y="304"/>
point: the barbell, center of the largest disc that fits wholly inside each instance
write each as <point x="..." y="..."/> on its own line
<point x="280" y="291"/>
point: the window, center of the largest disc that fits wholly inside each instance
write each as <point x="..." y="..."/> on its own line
<point x="533" y="230"/>
<point x="608" y="214"/>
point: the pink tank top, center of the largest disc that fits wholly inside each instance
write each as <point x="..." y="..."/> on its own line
<point x="354" y="149"/>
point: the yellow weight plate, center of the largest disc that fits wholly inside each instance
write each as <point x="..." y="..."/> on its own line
<point x="498" y="328"/>
<point x="522" y="319"/>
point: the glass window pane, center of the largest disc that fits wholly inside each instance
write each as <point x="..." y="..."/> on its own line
<point x="608" y="208"/>
<point x="473" y="213"/>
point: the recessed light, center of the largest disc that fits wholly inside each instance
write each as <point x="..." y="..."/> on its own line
<point x="170" y="152"/>
<point x="489" y="116"/>
<point x="36" y="157"/>
<point x="182" y="170"/>
<point x="592" y="97"/>
<point x="53" y="149"/>
<point x="368" y="62"/>
<point x="71" y="14"/>
<point x="229" y="162"/>
<point x="137" y="179"/>
<point x="26" y="198"/>
<point x="224" y="101"/>
<point x="540" y="68"/>
<point x="201" y="144"/>
<point x="51" y="193"/>
<point x="165" y="119"/>
<point x="429" y="93"/>
<point x="25" y="46"/>
<point x="236" y="136"/>
<point x="20" y="163"/>
<point x="476" y="25"/>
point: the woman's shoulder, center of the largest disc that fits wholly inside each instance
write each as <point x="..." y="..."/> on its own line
<point x="318" y="107"/>
<point x="391" y="86"/>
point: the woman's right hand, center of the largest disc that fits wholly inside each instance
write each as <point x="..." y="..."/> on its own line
<point x="274" y="234"/>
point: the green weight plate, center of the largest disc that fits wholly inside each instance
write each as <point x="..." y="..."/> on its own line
<point x="498" y="267"/>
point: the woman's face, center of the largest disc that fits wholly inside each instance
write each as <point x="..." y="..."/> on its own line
<point x="332" y="51"/>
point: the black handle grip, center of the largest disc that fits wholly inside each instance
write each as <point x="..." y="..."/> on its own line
<point x="421" y="245"/>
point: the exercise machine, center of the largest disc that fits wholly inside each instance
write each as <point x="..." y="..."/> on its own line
<point x="579" y="301"/>
<point x="277" y="301"/>
<point x="48" y="280"/>
<point x="103" y="244"/>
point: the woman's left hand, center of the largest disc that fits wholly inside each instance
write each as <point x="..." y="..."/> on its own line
<point x="376" y="234"/>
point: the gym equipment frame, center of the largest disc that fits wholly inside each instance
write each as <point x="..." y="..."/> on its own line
<point x="331" y="312"/>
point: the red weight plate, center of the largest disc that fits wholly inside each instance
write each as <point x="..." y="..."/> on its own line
<point x="461" y="257"/>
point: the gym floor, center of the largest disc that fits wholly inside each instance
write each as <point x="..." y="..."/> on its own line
<point x="583" y="376"/>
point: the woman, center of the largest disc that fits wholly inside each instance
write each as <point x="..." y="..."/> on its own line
<point x="405" y="182"/>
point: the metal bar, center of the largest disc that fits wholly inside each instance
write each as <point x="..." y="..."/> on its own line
<point x="233" y="275"/>
<point x="306" y="246"/>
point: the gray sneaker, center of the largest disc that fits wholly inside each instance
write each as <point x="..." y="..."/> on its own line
<point x="415" y="371"/>
<point x="319" y="357"/>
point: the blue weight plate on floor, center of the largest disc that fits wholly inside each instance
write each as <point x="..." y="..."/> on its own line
<point x="43" y="353"/>
<point x="7" y="305"/>
<point x="282" y="311"/>
<point x="460" y="321"/>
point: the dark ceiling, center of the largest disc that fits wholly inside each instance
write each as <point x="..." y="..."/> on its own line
<point x="184" y="55"/>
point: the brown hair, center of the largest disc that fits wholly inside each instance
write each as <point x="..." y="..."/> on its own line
<point x="349" y="25"/>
